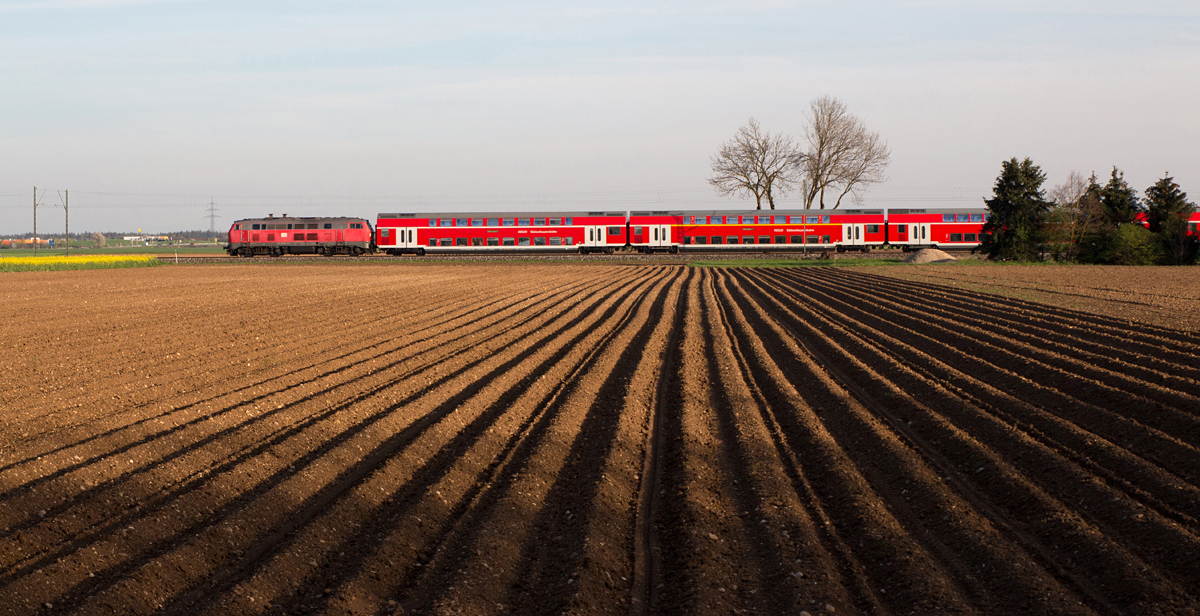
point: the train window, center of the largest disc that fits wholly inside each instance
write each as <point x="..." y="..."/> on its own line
<point x="447" y="241"/>
<point x="384" y="232"/>
<point x="493" y="241"/>
<point x="476" y="222"/>
<point x="508" y="222"/>
<point x="447" y="222"/>
<point x="254" y="227"/>
<point x="569" y="241"/>
<point x="687" y="240"/>
<point x="947" y="217"/>
<point x="493" y="222"/>
<point x="716" y="239"/>
<point x="700" y="239"/>
<point x="872" y="228"/>
<point x="812" y="220"/>
<point x="796" y="239"/>
<point x="976" y="217"/>
<point x="812" y="239"/>
<point x="477" y="241"/>
<point x="508" y="241"/>
<point x="824" y="239"/>
<point x="796" y="220"/>
<point x="554" y="222"/>
<point x="523" y="222"/>
<point x="902" y="229"/>
<point x="781" y="220"/>
<point x="556" y="241"/>
<point x="460" y="241"/>
<point x="716" y="220"/>
<point x="356" y="225"/>
<point x="539" y="241"/>
<point x="969" y="237"/>
<point x="568" y="221"/>
<point x="955" y="237"/>
<point x="522" y="241"/>
<point x="731" y="239"/>
<point x="637" y="230"/>
<point x="461" y="222"/>
<point x="764" y="239"/>
<point x="781" y="239"/>
<point x="539" y="222"/>
<point x="614" y="230"/>
<point x="964" y="218"/>
<point x="764" y="220"/>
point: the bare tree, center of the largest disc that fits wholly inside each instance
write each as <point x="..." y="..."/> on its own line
<point x="1076" y="214"/>
<point x="755" y="163"/>
<point x="844" y="156"/>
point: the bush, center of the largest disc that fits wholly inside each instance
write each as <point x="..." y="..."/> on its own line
<point x="1132" y="244"/>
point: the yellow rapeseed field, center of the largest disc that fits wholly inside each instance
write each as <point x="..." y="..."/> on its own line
<point x="32" y="264"/>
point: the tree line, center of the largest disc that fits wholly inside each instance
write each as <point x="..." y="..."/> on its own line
<point x="1084" y="221"/>
<point x="838" y="155"/>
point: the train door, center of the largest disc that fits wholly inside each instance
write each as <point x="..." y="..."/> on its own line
<point x="595" y="236"/>
<point x="920" y="234"/>
<point x="660" y="235"/>
<point x="852" y="235"/>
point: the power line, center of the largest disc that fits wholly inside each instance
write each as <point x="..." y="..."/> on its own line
<point x="212" y="216"/>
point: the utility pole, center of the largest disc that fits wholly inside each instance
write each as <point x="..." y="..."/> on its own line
<point x="212" y="217"/>
<point x="66" y="199"/>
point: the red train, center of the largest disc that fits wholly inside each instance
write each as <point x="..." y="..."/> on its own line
<point x="273" y="237"/>
<point x="722" y="231"/>
<point x="728" y="231"/>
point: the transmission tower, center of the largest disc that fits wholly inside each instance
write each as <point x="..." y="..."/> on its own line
<point x="212" y="217"/>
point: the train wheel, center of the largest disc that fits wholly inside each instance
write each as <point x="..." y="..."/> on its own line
<point x="840" y="249"/>
<point x="420" y="252"/>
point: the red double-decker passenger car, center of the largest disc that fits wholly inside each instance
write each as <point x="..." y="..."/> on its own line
<point x="484" y="232"/>
<point x="913" y="229"/>
<point x="758" y="231"/>
<point x="274" y="237"/>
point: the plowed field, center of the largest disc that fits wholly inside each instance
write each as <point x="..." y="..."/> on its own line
<point x="432" y="439"/>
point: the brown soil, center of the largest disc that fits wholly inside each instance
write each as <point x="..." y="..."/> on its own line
<point x="413" y="439"/>
<point x="1165" y="296"/>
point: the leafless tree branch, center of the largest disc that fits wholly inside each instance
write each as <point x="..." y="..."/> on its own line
<point x="755" y="163"/>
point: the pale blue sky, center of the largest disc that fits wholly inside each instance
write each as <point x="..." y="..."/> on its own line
<point x="147" y="109"/>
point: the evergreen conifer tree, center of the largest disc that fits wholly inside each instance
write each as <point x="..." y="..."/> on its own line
<point x="1016" y="213"/>
<point x="1167" y="213"/>
<point x="1119" y="199"/>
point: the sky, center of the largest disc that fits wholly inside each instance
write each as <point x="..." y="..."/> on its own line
<point x="149" y="112"/>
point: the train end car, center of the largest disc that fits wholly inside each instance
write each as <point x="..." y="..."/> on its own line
<point x="274" y="237"/>
<point x="500" y="232"/>
<point x="944" y="228"/>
